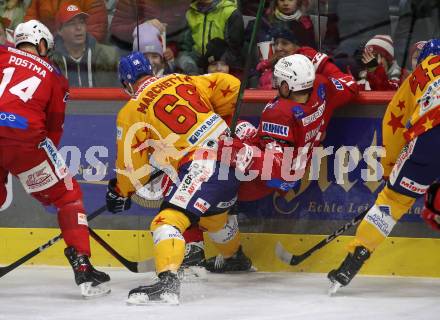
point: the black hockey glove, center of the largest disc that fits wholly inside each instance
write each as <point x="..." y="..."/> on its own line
<point x="115" y="202"/>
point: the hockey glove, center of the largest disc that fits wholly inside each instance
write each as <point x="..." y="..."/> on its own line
<point x="235" y="153"/>
<point x="115" y="202"/>
<point x="245" y="130"/>
<point x="431" y="211"/>
<point x="318" y="58"/>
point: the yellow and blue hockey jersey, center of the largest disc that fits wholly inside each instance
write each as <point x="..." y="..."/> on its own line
<point x="168" y="118"/>
<point x="414" y="109"/>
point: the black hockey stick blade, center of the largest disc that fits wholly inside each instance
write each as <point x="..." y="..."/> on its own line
<point x="133" y="266"/>
<point x="6" y="269"/>
<point x="288" y="257"/>
<point x="294" y="260"/>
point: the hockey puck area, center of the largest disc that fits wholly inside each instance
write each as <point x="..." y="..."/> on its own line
<point x="50" y="293"/>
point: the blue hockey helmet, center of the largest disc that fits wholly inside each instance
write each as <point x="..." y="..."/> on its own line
<point x="432" y="47"/>
<point x="134" y="66"/>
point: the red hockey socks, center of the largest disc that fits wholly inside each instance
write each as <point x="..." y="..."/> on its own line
<point x="73" y="224"/>
<point x="193" y="234"/>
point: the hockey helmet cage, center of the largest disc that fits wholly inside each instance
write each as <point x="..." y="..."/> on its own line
<point x="134" y="66"/>
<point x="296" y="70"/>
<point x="432" y="47"/>
<point x="32" y="32"/>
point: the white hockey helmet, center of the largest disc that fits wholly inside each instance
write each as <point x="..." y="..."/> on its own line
<point x="33" y="31"/>
<point x="297" y="70"/>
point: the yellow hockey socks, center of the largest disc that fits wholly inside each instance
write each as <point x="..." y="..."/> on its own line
<point x="389" y="207"/>
<point x="169" y="245"/>
<point x="223" y="231"/>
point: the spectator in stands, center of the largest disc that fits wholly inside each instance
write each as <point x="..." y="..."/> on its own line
<point x="46" y="10"/>
<point x="169" y="13"/>
<point x="151" y="45"/>
<point x="381" y="71"/>
<point x="84" y="61"/>
<point x="209" y="19"/>
<point x="286" y="43"/>
<point x="214" y="59"/>
<point x="281" y="14"/>
<point x="287" y="14"/>
<point x="13" y="10"/>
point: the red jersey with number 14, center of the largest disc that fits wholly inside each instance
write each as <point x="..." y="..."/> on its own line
<point x="32" y="98"/>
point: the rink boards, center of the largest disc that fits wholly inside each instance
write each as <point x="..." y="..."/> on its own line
<point x="299" y="218"/>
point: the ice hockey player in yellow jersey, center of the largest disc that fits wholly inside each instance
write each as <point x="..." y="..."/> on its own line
<point x="173" y="123"/>
<point x="411" y="137"/>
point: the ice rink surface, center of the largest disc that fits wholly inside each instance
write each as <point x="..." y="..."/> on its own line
<point x="49" y="293"/>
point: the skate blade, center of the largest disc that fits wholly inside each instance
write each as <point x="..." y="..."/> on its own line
<point x="251" y="269"/>
<point x="140" y="299"/>
<point x="334" y="287"/>
<point x="88" y="291"/>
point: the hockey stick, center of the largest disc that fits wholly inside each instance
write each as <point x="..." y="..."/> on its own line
<point x="33" y="253"/>
<point x="6" y="269"/>
<point x="294" y="260"/>
<point x="247" y="67"/>
<point x="142" y="266"/>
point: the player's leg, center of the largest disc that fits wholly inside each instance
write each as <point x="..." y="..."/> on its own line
<point x="224" y="233"/>
<point x="168" y="250"/>
<point x="415" y="170"/>
<point x="194" y="248"/>
<point x="151" y="195"/>
<point x="36" y="171"/>
<point x="196" y="194"/>
<point x="208" y="204"/>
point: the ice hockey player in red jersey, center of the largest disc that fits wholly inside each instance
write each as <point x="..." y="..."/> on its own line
<point x="310" y="88"/>
<point x="33" y="97"/>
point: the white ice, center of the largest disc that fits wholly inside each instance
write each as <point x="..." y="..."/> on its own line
<point x="49" y="293"/>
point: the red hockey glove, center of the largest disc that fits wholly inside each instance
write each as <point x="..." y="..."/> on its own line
<point x="235" y="153"/>
<point x="431" y="211"/>
<point x="245" y="130"/>
<point x="318" y="58"/>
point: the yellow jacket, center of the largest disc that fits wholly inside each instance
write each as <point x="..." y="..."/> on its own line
<point x="168" y="118"/>
<point x="414" y="109"/>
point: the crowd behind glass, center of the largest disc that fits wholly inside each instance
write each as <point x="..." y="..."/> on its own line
<point x="377" y="41"/>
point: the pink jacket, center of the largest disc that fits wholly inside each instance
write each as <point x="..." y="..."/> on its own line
<point x="265" y="80"/>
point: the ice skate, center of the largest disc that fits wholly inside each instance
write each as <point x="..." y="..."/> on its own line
<point x="165" y="290"/>
<point x="193" y="265"/>
<point x="90" y="281"/>
<point x="348" y="269"/>
<point x="238" y="262"/>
